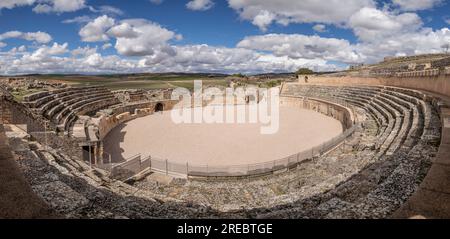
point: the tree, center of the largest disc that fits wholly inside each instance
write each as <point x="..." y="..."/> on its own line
<point x="239" y="75"/>
<point x="304" y="71"/>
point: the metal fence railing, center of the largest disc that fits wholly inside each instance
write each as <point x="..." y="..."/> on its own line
<point x="138" y="164"/>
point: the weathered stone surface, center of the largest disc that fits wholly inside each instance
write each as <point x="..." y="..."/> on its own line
<point x="17" y="199"/>
<point x="437" y="179"/>
<point x="426" y="204"/>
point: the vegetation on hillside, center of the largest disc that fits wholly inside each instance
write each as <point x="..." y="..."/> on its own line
<point x="239" y="75"/>
<point x="270" y="84"/>
<point x="304" y="71"/>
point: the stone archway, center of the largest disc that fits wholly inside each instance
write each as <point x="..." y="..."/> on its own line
<point x="159" y="107"/>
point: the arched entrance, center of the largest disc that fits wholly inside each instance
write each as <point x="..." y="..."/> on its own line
<point x="159" y="107"/>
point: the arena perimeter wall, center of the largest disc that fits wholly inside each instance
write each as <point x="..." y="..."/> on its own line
<point x="330" y="109"/>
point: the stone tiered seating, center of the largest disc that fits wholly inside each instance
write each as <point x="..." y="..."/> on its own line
<point x="62" y="107"/>
<point x="409" y="139"/>
<point x="394" y="113"/>
<point x="377" y="172"/>
<point x="73" y="189"/>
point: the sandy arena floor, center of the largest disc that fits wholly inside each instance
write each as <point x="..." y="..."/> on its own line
<point x="220" y="144"/>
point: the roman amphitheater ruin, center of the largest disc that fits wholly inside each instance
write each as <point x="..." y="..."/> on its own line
<point x="371" y="142"/>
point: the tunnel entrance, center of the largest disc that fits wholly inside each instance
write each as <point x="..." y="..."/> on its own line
<point x="159" y="107"/>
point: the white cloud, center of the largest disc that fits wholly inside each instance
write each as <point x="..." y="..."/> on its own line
<point x="55" y="49"/>
<point x="123" y="30"/>
<point x="9" y="4"/>
<point x="199" y="5"/>
<point x="107" y="10"/>
<point x="134" y="37"/>
<point x="19" y="49"/>
<point x="94" y="60"/>
<point x="419" y="42"/>
<point x="50" y="59"/>
<point x="46" y="6"/>
<point x="178" y="37"/>
<point x="84" y="51"/>
<point x="263" y="13"/>
<point x="95" y="30"/>
<point x="204" y="58"/>
<point x="139" y="37"/>
<point x="263" y="19"/>
<point x="106" y="46"/>
<point x="371" y="24"/>
<point x="413" y="5"/>
<point x="45" y="53"/>
<point x="447" y="21"/>
<point x="320" y="28"/>
<point x="2" y="44"/>
<point x="39" y="37"/>
<point x="59" y="6"/>
<point x="79" y="19"/>
<point x="190" y="58"/>
<point x="298" y="46"/>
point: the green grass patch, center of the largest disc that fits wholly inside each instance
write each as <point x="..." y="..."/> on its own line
<point x="18" y="95"/>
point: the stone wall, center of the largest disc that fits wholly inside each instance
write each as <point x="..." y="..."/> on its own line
<point x="129" y="112"/>
<point x="15" y="113"/>
<point x="338" y="112"/>
<point x="5" y="113"/>
<point x="67" y="145"/>
<point x="437" y="84"/>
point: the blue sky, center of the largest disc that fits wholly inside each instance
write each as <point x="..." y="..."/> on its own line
<point x="250" y="36"/>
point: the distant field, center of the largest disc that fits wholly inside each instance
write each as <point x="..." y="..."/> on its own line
<point x="118" y="82"/>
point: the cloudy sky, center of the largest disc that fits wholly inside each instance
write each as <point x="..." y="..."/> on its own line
<point x="247" y="36"/>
